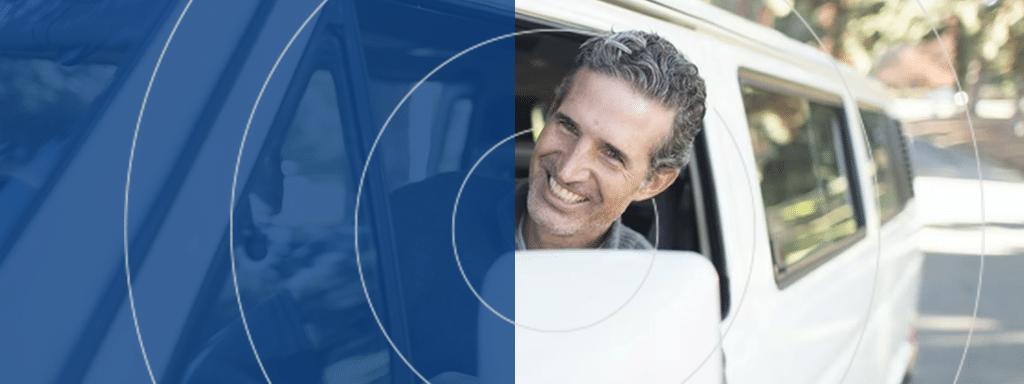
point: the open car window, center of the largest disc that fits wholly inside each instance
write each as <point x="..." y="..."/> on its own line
<point x="686" y="217"/>
<point x="542" y="61"/>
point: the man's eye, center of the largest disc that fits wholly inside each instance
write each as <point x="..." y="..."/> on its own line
<point x="569" y="127"/>
<point x="612" y="155"/>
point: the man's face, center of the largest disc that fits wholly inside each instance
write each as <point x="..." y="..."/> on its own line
<point x="593" y="156"/>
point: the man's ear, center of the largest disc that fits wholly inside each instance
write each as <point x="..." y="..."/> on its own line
<point x="660" y="180"/>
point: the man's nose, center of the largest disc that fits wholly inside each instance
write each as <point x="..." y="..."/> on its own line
<point x="576" y="164"/>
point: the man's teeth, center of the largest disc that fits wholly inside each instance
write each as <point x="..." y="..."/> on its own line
<point x="563" y="193"/>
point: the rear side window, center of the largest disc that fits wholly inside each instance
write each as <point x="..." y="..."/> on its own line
<point x="810" y="201"/>
<point x="890" y="167"/>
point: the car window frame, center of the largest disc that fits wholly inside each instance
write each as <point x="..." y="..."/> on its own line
<point x="786" y="275"/>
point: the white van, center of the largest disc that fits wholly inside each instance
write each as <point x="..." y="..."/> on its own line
<point x="807" y="217"/>
<point x="787" y="248"/>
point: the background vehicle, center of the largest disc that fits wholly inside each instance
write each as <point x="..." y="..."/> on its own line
<point x="797" y="262"/>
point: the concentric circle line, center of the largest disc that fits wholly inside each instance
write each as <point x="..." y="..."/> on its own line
<point x="234" y="185"/>
<point x="458" y="261"/>
<point x="128" y="183"/>
<point x="981" y="197"/>
<point x="874" y="178"/>
<point x="753" y="251"/>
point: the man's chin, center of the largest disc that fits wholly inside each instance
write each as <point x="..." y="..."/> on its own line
<point x="551" y="219"/>
<point x="555" y="223"/>
<point x="559" y="230"/>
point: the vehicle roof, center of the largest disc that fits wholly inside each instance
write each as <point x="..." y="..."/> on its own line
<point x="723" y="25"/>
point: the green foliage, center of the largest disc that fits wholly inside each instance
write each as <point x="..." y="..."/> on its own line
<point x="987" y="34"/>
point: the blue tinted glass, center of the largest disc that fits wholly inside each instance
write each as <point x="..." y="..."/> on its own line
<point x="298" y="277"/>
<point x="52" y="84"/>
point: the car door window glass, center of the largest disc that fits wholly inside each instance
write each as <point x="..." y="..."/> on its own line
<point x="885" y="163"/>
<point x="805" y="182"/>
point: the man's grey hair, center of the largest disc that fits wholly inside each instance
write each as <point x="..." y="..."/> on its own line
<point x="655" y="69"/>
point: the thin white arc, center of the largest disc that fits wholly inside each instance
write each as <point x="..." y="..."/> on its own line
<point x="234" y="185"/>
<point x="981" y="198"/>
<point x="753" y="254"/>
<point x="366" y="166"/>
<point x="878" y="258"/>
<point x="458" y="261"/>
<point x="127" y="187"/>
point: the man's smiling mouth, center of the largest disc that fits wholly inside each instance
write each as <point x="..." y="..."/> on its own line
<point x="562" y="193"/>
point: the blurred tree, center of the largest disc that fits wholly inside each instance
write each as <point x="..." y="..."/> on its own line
<point x="989" y="48"/>
<point x="981" y="38"/>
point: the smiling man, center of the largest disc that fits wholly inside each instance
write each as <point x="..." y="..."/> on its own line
<point x="620" y="129"/>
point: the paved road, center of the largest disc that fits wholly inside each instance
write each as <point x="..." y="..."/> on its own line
<point x="948" y="194"/>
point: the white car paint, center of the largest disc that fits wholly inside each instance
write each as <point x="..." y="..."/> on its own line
<point x="827" y="327"/>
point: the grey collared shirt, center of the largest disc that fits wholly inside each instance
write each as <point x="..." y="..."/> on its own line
<point x="619" y="236"/>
